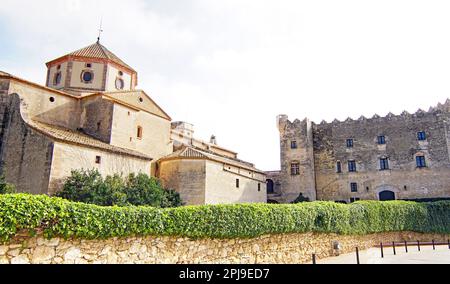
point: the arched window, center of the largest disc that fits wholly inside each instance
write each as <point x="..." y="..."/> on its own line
<point x="270" y="186"/>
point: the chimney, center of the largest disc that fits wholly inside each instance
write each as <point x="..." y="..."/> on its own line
<point x="213" y="140"/>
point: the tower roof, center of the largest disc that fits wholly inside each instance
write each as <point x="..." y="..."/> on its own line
<point x="96" y="51"/>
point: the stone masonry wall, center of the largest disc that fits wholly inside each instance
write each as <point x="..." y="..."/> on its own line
<point x="25" y="154"/>
<point x="327" y="142"/>
<point x="276" y="249"/>
<point x="292" y="185"/>
<point x="403" y="177"/>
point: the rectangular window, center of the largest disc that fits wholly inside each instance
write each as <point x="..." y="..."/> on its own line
<point x="88" y="65"/>
<point x="381" y="140"/>
<point x="295" y="169"/>
<point x="237" y="183"/>
<point x="421" y="136"/>
<point x="351" y="166"/>
<point x="98" y="159"/>
<point x="349" y="143"/>
<point x="259" y="187"/>
<point x="384" y="164"/>
<point x="293" y="144"/>
<point x="139" y="132"/>
<point x="353" y="187"/>
<point x="338" y="167"/>
<point x="420" y="162"/>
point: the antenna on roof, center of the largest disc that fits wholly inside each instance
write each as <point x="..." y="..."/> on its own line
<point x="100" y="30"/>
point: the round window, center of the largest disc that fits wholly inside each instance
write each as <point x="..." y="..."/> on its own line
<point x="87" y="76"/>
<point x="141" y="100"/>
<point x="119" y="84"/>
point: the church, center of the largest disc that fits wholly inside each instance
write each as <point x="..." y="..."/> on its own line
<point x="90" y="115"/>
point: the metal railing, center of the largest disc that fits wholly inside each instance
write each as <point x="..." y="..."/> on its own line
<point x="394" y="245"/>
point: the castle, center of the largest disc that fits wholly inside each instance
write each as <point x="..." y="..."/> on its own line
<point x="403" y="156"/>
<point x="89" y="115"/>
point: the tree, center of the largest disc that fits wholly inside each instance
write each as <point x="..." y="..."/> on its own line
<point x="81" y="185"/>
<point x="141" y="189"/>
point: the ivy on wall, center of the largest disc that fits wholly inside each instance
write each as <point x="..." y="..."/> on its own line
<point x="59" y="217"/>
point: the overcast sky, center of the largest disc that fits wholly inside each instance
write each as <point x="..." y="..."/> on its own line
<point x="231" y="66"/>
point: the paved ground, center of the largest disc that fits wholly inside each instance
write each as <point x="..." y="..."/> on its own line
<point x="426" y="255"/>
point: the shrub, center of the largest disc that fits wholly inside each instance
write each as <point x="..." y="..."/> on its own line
<point x="90" y="187"/>
<point x="59" y="217"/>
<point x="6" y="187"/>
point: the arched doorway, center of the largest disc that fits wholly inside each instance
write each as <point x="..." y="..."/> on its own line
<point x="386" y="195"/>
<point x="270" y="188"/>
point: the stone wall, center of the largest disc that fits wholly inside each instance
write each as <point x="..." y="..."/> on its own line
<point x="155" y="141"/>
<point x="276" y="249"/>
<point x="202" y="181"/>
<point x="68" y="157"/>
<point x="301" y="133"/>
<point x="187" y="177"/>
<point x="25" y="154"/>
<point x="47" y="106"/>
<point x="403" y="177"/>
<point x="221" y="185"/>
<point x="321" y="146"/>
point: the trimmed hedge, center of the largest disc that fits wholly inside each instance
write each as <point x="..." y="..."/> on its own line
<point x="59" y="217"/>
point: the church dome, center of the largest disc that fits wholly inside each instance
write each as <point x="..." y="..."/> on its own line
<point x="92" y="68"/>
<point x="96" y="51"/>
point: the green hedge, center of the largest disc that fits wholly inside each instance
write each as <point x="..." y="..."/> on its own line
<point x="59" y="217"/>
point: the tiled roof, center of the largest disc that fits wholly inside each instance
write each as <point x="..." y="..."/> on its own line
<point x="76" y="137"/>
<point x="191" y="152"/>
<point x="185" y="153"/>
<point x="97" y="50"/>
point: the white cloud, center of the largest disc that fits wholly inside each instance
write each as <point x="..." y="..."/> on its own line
<point x="229" y="67"/>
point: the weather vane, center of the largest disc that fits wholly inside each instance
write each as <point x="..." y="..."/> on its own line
<point x="100" y="30"/>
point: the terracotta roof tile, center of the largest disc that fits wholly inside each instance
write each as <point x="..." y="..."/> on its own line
<point x="192" y="152"/>
<point x="97" y="50"/>
<point x="75" y="137"/>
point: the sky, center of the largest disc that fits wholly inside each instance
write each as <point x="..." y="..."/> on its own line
<point x="231" y="66"/>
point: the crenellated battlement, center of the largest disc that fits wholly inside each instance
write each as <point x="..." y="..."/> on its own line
<point x="395" y="156"/>
<point x="405" y="115"/>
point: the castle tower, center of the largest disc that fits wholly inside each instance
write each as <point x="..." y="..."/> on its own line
<point x="297" y="159"/>
<point x="90" y="69"/>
